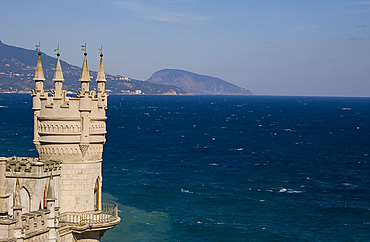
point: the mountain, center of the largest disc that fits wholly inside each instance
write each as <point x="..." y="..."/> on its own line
<point x="17" y="69"/>
<point x="193" y="83"/>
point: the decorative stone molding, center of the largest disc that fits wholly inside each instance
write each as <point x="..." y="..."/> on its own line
<point x="97" y="128"/>
<point x="83" y="149"/>
<point x="58" y="128"/>
<point x="59" y="151"/>
<point x="38" y="148"/>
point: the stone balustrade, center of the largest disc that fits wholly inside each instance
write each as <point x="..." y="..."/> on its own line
<point x="108" y="214"/>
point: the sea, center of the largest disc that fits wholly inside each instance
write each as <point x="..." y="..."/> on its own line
<point x="227" y="168"/>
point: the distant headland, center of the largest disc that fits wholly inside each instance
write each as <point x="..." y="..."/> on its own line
<point x="17" y="68"/>
<point x="196" y="84"/>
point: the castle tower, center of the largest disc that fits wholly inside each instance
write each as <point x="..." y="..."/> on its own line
<point x="72" y="130"/>
<point x="69" y="134"/>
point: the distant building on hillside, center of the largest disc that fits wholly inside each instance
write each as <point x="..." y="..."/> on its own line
<point x="58" y="196"/>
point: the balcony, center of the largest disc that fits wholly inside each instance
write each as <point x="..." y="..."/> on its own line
<point x="91" y="220"/>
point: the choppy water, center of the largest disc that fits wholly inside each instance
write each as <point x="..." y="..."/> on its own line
<point x="227" y="168"/>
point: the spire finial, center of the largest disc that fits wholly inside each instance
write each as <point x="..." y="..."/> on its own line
<point x="50" y="192"/>
<point x="57" y="52"/>
<point x="38" y="47"/>
<point x="83" y="48"/>
<point x="101" y="51"/>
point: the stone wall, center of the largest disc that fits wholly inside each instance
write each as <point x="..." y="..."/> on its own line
<point x="77" y="184"/>
<point x="34" y="176"/>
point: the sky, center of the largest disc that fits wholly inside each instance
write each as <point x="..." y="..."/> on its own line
<point x="272" y="47"/>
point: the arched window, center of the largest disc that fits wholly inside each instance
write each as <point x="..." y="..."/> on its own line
<point x="26" y="200"/>
<point x="96" y="195"/>
<point x="44" y="199"/>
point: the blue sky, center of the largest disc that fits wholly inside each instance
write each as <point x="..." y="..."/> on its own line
<point x="273" y="47"/>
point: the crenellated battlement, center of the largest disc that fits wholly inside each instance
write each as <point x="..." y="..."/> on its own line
<point x="30" y="167"/>
<point x="70" y="128"/>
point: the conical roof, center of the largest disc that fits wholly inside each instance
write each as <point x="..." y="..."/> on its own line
<point x="39" y="74"/>
<point x="58" y="74"/>
<point x="85" y="76"/>
<point x="50" y="193"/>
<point x="101" y="74"/>
<point x="17" y="195"/>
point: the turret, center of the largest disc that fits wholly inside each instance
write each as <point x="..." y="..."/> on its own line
<point x="85" y="76"/>
<point x="39" y="84"/>
<point x="17" y="211"/>
<point x="39" y="76"/>
<point x="37" y="94"/>
<point x="17" y="203"/>
<point x="58" y="79"/>
<point x="69" y="135"/>
<point x="85" y="104"/>
<point x="100" y="79"/>
<point x="51" y="218"/>
<point x="72" y="130"/>
<point x="3" y="196"/>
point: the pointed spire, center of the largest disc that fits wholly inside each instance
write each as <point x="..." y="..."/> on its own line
<point x="58" y="74"/>
<point x="39" y="74"/>
<point x="17" y="204"/>
<point x="101" y="74"/>
<point x="85" y="76"/>
<point x="50" y="193"/>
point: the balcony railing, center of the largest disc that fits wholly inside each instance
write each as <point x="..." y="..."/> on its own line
<point x="108" y="214"/>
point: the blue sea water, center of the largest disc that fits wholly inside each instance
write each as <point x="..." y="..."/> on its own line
<point x="227" y="168"/>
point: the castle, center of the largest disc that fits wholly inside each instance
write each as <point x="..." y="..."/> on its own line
<point x="58" y="196"/>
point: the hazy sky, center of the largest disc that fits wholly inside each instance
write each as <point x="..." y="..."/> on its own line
<point x="273" y="47"/>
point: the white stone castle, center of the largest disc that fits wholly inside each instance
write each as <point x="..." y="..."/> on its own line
<point x="58" y="196"/>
